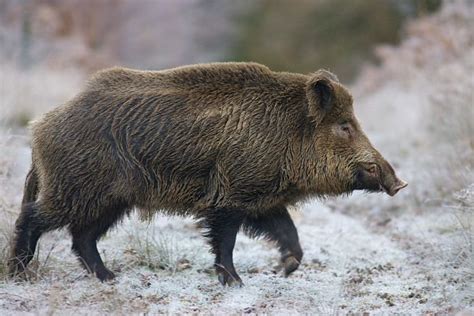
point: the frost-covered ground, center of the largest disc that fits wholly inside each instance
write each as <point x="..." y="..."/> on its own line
<point x="367" y="253"/>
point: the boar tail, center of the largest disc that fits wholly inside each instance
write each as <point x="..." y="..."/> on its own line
<point x="30" y="192"/>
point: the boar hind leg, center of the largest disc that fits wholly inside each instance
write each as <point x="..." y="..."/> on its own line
<point x="84" y="242"/>
<point x="28" y="229"/>
<point x="222" y="226"/>
<point x="277" y="225"/>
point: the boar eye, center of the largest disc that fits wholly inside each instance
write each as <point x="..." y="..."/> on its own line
<point x="345" y="126"/>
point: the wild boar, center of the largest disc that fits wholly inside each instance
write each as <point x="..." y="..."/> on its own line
<point x="231" y="144"/>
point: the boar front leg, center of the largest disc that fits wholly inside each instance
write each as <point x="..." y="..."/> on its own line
<point x="222" y="227"/>
<point x="277" y="225"/>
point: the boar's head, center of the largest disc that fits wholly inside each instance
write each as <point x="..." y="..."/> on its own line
<point x="344" y="158"/>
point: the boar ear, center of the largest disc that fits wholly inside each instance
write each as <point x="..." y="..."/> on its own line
<point x="320" y="94"/>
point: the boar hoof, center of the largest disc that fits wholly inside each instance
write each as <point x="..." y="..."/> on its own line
<point x="290" y="264"/>
<point x="229" y="280"/>
<point x="105" y="275"/>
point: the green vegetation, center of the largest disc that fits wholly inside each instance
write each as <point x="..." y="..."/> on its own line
<point x="338" y="35"/>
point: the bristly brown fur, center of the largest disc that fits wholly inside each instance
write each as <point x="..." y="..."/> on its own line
<point x="186" y="139"/>
<point x="202" y="140"/>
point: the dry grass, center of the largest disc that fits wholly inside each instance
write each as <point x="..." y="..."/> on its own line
<point x="8" y="184"/>
<point x="153" y="249"/>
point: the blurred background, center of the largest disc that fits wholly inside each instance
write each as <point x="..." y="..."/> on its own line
<point x="410" y="66"/>
<point x="285" y="35"/>
<point x="76" y="37"/>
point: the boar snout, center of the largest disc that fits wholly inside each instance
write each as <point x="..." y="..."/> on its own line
<point x="378" y="177"/>
<point x="397" y="186"/>
<point x="390" y="183"/>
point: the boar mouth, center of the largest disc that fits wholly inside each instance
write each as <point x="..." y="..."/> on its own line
<point x="372" y="177"/>
<point x="383" y="189"/>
